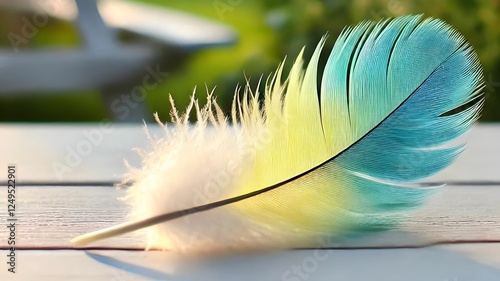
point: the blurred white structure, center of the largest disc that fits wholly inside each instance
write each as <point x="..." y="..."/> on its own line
<point x="105" y="63"/>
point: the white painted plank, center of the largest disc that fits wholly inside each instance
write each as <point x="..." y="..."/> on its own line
<point x="70" y="153"/>
<point x="92" y="153"/>
<point x="51" y="216"/>
<point x="443" y="263"/>
<point x="480" y="162"/>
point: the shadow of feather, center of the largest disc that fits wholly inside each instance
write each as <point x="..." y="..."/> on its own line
<point x="431" y="264"/>
<point x="143" y="271"/>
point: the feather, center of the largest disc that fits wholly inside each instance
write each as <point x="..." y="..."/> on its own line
<point x="298" y="165"/>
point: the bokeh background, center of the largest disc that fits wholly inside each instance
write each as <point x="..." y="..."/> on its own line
<point x="268" y="30"/>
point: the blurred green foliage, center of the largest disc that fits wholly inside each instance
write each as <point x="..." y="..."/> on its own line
<point x="269" y="30"/>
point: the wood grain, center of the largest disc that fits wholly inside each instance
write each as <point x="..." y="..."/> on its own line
<point x="463" y="215"/>
<point x="39" y="149"/>
<point x="52" y="215"/>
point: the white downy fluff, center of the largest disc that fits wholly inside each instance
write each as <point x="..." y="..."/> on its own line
<point x="191" y="166"/>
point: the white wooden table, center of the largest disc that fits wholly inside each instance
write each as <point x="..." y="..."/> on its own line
<point x="54" y="205"/>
